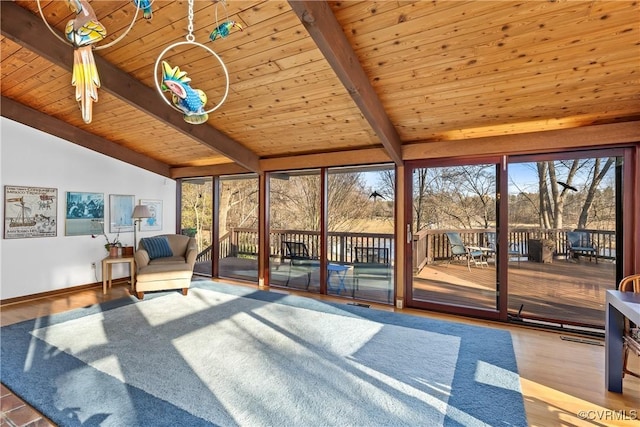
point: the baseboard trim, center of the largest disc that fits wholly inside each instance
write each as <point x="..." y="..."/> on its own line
<point x="57" y="292"/>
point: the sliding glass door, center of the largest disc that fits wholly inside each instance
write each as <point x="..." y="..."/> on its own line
<point x="454" y="222"/>
<point x="562" y="223"/>
<point x="528" y="238"/>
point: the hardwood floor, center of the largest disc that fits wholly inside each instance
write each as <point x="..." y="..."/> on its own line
<point x="560" y="378"/>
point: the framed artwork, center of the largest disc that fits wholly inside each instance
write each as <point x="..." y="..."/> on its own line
<point x="84" y="213"/>
<point x="120" y="210"/>
<point x="30" y="212"/>
<point x="154" y="223"/>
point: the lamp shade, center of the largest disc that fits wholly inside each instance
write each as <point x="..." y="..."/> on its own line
<point x="141" y="211"/>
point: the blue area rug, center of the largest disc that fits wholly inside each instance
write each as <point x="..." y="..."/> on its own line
<point x="234" y="356"/>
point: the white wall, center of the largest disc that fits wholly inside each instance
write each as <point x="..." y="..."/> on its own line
<point x="29" y="157"/>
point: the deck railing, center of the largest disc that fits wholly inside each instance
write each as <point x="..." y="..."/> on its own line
<point x="433" y="245"/>
<point x="428" y="245"/>
<point x="243" y="242"/>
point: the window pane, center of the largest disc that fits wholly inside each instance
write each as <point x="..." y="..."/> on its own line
<point x="294" y="227"/>
<point x="454" y="223"/>
<point x="196" y="214"/>
<point x="360" y="235"/>
<point x="238" y="224"/>
<point x="562" y="218"/>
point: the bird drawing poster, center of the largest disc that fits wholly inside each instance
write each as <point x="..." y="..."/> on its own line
<point x="154" y="222"/>
<point x="30" y="212"/>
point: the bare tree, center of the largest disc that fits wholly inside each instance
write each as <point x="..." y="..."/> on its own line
<point x="348" y="202"/>
<point x="558" y="180"/>
<point x="295" y="202"/>
<point x="238" y="204"/>
<point x="461" y="196"/>
<point x="420" y="183"/>
<point x="197" y="209"/>
<point x="475" y="196"/>
<point x="597" y="175"/>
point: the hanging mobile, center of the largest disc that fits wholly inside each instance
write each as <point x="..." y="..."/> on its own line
<point x="83" y="33"/>
<point x="145" y="6"/>
<point x="223" y="30"/>
<point x="189" y="101"/>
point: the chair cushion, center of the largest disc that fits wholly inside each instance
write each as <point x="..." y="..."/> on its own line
<point x="168" y="260"/>
<point x="157" y="247"/>
<point x="163" y="272"/>
<point x="583" y="249"/>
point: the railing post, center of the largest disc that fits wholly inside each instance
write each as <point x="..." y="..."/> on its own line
<point x="233" y="242"/>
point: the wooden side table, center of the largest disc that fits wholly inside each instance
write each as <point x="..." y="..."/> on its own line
<point x="107" y="266"/>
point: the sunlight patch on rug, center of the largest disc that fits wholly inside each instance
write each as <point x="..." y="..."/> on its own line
<point x="498" y="377"/>
<point x="233" y="350"/>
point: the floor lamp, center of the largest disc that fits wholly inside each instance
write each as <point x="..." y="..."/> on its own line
<point x="139" y="212"/>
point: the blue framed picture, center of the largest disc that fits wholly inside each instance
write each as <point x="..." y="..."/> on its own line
<point x="120" y="210"/>
<point x="83" y="212"/>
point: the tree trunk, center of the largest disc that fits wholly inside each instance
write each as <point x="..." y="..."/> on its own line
<point x="543" y="195"/>
<point x="598" y="175"/>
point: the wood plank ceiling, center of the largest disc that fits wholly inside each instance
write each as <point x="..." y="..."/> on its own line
<point x="309" y="77"/>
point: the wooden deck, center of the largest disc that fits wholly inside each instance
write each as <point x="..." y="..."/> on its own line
<point x="571" y="292"/>
<point x="563" y="291"/>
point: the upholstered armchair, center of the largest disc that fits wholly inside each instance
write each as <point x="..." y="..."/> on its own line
<point x="165" y="262"/>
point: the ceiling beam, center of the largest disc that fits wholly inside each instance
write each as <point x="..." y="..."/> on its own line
<point x="28" y="116"/>
<point x="326" y="31"/>
<point x="337" y="158"/>
<point x="28" y="30"/>
<point x="595" y="136"/>
<point x="212" y="170"/>
<point x="551" y="141"/>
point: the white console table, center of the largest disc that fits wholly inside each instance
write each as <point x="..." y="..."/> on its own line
<point x="619" y="306"/>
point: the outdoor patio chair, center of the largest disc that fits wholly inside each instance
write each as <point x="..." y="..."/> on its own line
<point x="490" y="239"/>
<point x="579" y="243"/>
<point x="299" y="259"/>
<point x="459" y="250"/>
<point x="371" y="264"/>
<point x="630" y="339"/>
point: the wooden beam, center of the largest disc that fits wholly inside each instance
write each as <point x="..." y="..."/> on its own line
<point x="28" y="30"/>
<point x="528" y="143"/>
<point x="212" y="170"/>
<point x="336" y="158"/>
<point x="326" y="31"/>
<point x="28" y="116"/>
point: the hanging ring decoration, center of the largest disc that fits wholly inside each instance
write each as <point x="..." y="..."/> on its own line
<point x="185" y="99"/>
<point x="118" y="39"/>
